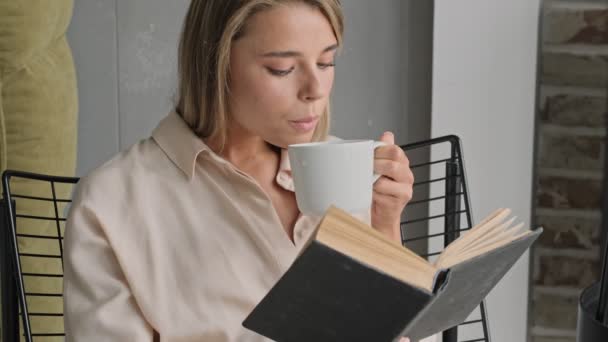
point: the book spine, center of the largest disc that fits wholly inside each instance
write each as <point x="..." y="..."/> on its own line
<point x="439" y="280"/>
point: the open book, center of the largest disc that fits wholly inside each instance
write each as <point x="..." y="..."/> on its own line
<point x="352" y="283"/>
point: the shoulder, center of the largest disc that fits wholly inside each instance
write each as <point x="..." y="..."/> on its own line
<point x="119" y="175"/>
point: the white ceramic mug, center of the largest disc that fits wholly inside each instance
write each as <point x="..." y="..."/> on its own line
<point x="338" y="172"/>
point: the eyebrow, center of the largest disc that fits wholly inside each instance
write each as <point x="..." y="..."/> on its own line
<point x="286" y="54"/>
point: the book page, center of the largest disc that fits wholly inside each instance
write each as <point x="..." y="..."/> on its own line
<point x="354" y="238"/>
<point x="489" y="235"/>
<point x="484" y="249"/>
<point x="492" y="234"/>
<point x="477" y="232"/>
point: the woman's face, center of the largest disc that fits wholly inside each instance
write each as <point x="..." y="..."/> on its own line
<point x="281" y="74"/>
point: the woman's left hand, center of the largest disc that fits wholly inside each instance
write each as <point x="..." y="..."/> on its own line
<point x="393" y="190"/>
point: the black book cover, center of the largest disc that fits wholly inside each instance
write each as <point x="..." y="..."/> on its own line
<point x="328" y="296"/>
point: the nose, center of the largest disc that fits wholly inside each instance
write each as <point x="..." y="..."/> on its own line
<point x="312" y="88"/>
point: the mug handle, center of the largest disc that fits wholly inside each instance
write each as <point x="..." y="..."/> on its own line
<point x="375" y="146"/>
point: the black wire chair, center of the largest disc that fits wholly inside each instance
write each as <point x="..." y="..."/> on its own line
<point x="438" y="212"/>
<point x="435" y="216"/>
<point x="32" y="255"/>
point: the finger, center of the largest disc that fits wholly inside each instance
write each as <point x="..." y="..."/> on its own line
<point x="387" y="203"/>
<point x="397" y="171"/>
<point x="404" y="339"/>
<point x="399" y="191"/>
<point x="388" y="138"/>
<point x="391" y="152"/>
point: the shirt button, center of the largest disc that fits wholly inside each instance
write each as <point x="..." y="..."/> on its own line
<point x="298" y="236"/>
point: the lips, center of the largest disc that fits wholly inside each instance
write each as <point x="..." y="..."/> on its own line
<point x="305" y="124"/>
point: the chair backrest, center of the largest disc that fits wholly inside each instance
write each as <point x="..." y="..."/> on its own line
<point x="435" y="216"/>
<point x="438" y="212"/>
<point x="32" y="254"/>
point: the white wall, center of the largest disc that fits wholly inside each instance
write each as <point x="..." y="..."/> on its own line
<point x="368" y="88"/>
<point x="125" y="54"/>
<point x="93" y="39"/>
<point x="484" y="83"/>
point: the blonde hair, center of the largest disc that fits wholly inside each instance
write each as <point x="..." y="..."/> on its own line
<point x="209" y="29"/>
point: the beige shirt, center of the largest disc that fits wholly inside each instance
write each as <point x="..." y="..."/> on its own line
<point x="170" y="239"/>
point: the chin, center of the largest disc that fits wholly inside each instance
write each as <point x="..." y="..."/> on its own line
<point x="284" y="142"/>
<point x="301" y="138"/>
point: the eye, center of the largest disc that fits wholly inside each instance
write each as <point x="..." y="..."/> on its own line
<point x="280" y="72"/>
<point x="323" y="66"/>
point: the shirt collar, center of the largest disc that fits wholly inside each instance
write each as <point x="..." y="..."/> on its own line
<point x="183" y="147"/>
<point x="179" y="142"/>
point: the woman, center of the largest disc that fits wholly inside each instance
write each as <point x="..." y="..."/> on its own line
<point x="179" y="237"/>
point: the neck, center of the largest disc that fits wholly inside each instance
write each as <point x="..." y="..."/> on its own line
<point x="243" y="149"/>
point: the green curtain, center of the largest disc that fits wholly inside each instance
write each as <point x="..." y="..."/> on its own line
<point x="38" y="126"/>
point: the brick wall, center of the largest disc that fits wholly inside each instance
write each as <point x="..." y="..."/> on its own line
<point x="571" y="144"/>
